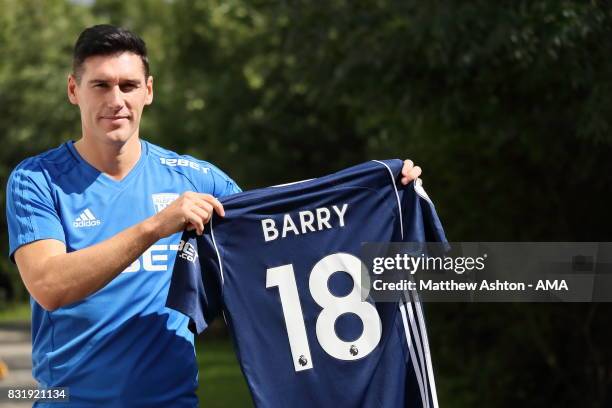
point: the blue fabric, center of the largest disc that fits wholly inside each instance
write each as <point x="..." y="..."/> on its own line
<point x="120" y="346"/>
<point x="229" y="266"/>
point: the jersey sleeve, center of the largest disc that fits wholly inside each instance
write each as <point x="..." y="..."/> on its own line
<point x="30" y="210"/>
<point x="194" y="288"/>
<point x="219" y="184"/>
<point x="419" y="211"/>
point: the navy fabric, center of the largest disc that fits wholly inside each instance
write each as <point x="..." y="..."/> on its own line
<point x="313" y="231"/>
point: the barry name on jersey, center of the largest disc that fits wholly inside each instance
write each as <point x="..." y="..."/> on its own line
<point x="304" y="222"/>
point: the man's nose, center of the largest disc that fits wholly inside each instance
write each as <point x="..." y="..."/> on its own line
<point x="115" y="98"/>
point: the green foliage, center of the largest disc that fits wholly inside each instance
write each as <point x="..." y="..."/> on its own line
<point x="35" y="47"/>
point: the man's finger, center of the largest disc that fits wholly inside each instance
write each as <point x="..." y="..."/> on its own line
<point x="215" y="203"/>
<point x="408" y="165"/>
<point x="205" y="205"/>
<point x="202" y="213"/>
<point x="412" y="175"/>
<point x="196" y="221"/>
<point x="218" y="207"/>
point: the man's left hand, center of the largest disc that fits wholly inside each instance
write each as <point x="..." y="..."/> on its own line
<point x="410" y="172"/>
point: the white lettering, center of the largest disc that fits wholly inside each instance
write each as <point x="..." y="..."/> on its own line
<point x="187" y="251"/>
<point x="86" y="223"/>
<point x="306" y="220"/>
<point x="148" y="259"/>
<point x="307" y="223"/>
<point x="451" y="285"/>
<point x="377" y="266"/>
<point x="323" y="219"/>
<point x="341" y="213"/>
<point x="152" y="260"/>
<point x="183" y="163"/>
<point x="498" y="285"/>
<point x="552" y="285"/>
<point x="289" y="225"/>
<point x="269" y="229"/>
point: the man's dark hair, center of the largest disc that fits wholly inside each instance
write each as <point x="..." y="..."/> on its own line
<point x="106" y="39"/>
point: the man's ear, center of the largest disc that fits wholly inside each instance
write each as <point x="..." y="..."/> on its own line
<point x="71" y="90"/>
<point x="149" y="98"/>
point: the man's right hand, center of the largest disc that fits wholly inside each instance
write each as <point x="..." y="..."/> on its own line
<point x="191" y="210"/>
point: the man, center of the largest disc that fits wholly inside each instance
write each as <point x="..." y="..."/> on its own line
<point x="94" y="227"/>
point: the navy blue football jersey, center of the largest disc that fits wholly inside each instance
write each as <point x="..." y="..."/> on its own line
<point x="283" y="265"/>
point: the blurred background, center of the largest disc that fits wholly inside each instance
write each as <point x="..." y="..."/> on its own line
<point x="506" y="105"/>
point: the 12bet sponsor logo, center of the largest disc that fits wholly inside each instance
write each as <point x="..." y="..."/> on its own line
<point x="154" y="259"/>
<point x="183" y="163"/>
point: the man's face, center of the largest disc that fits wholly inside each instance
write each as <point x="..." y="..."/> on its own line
<point x="111" y="96"/>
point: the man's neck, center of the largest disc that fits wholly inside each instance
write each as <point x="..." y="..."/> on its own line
<point x="115" y="160"/>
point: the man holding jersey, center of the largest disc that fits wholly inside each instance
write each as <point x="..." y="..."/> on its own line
<point x="94" y="226"/>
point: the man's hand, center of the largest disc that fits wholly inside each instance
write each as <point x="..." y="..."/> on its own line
<point x="410" y="172"/>
<point x="191" y="210"/>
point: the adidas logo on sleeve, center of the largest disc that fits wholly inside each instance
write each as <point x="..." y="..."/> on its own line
<point x="86" y="219"/>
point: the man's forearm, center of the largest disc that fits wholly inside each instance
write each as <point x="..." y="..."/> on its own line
<point x="56" y="278"/>
<point x="72" y="276"/>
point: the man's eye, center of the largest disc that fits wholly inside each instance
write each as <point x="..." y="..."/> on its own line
<point x="128" y="88"/>
<point x="100" y="85"/>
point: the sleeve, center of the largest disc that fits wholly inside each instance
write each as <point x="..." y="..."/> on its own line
<point x="194" y="288"/>
<point x="219" y="184"/>
<point x="30" y="209"/>
<point x="419" y="212"/>
<point x="422" y="224"/>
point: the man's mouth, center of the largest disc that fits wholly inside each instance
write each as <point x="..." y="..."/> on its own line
<point x="114" y="117"/>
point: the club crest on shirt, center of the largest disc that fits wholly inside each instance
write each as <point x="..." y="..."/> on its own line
<point x="162" y="200"/>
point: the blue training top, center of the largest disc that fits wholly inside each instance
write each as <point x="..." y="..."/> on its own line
<point x="119" y="347"/>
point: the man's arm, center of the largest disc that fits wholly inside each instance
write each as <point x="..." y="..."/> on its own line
<point x="56" y="278"/>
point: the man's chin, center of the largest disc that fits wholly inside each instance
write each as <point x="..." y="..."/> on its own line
<point x="118" y="136"/>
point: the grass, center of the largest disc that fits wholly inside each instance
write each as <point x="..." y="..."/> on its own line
<point x="15" y="312"/>
<point x="221" y="381"/>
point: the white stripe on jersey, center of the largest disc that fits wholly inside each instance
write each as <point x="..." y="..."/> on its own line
<point x="418" y="343"/>
<point x="428" y="363"/>
<point x="413" y="357"/>
<point x="212" y="234"/>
